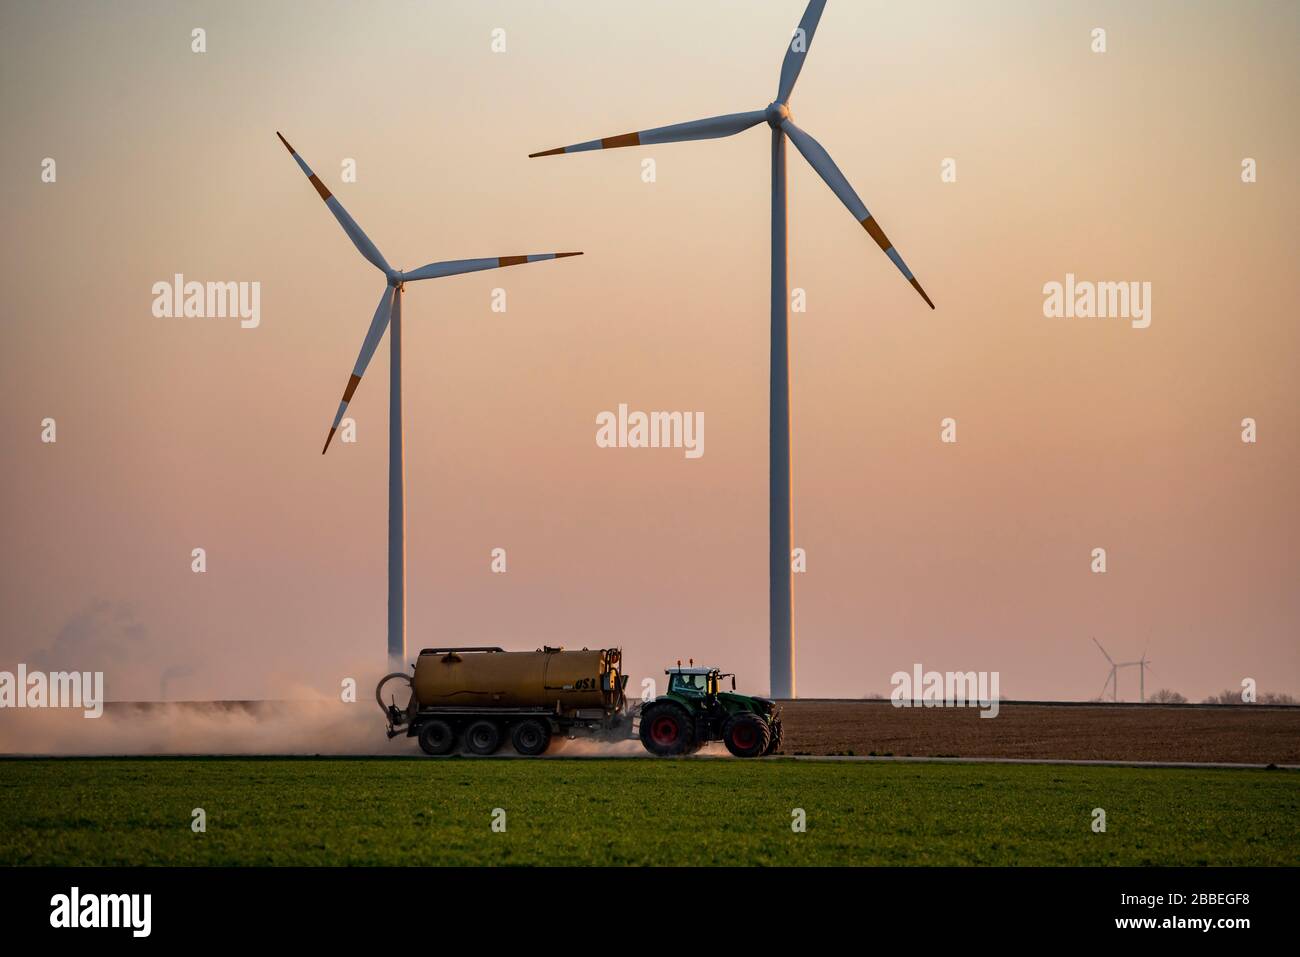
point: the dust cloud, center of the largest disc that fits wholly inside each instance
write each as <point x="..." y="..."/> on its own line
<point x="203" y="727"/>
<point x="295" y="727"/>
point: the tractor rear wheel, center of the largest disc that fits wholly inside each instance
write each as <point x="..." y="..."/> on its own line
<point x="483" y="737"/>
<point x="778" y="735"/>
<point x="666" y="729"/>
<point x="437" y="738"/>
<point x="746" y="735"/>
<point x="531" y="737"/>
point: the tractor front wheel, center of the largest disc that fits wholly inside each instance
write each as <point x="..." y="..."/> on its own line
<point x="666" y="729"/>
<point x="746" y="735"/>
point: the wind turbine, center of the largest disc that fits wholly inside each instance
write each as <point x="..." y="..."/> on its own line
<point x="389" y="311"/>
<point x="777" y="116"/>
<point x="1113" y="678"/>
<point x="1142" y="665"/>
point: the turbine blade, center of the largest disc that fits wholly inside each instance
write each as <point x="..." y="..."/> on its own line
<point x="355" y="233"/>
<point x="1103" y="651"/>
<point x="797" y="49"/>
<point x="708" y="129"/>
<point x="455" y="267"/>
<point x="821" y="161"/>
<point x="376" y="332"/>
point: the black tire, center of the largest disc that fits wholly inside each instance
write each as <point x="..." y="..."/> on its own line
<point x="483" y="737"/>
<point x="531" y="737"/>
<point x="778" y="735"/>
<point x="437" y="738"/>
<point x="746" y="735"/>
<point x="666" y="729"/>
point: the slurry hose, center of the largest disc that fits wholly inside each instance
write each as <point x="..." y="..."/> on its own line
<point x="395" y="715"/>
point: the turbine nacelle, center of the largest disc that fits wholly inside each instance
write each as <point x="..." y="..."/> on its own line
<point x="776" y="114"/>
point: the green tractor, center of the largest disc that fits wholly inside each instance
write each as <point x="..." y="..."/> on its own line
<point x="694" y="712"/>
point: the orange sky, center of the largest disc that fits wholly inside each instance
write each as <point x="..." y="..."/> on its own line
<point x="1072" y="434"/>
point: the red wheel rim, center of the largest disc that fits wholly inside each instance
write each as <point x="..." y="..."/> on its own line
<point x="664" y="731"/>
<point x="743" y="736"/>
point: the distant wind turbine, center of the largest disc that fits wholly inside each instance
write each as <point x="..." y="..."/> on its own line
<point x="1143" y="664"/>
<point x="777" y="116"/>
<point x="1111" y="679"/>
<point x="390" y="311"/>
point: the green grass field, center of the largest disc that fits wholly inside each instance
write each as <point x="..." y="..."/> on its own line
<point x="376" y="811"/>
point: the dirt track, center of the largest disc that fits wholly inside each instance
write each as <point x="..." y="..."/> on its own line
<point x="1247" y="735"/>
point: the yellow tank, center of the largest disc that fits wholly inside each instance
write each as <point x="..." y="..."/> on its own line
<point x="549" y="678"/>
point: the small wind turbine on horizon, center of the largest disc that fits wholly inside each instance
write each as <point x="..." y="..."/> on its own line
<point x="777" y="116"/>
<point x="1143" y="664"/>
<point x="1112" y="679"/>
<point x="389" y="313"/>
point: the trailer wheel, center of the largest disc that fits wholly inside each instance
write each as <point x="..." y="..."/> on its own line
<point x="531" y="737"/>
<point x="483" y="737"/>
<point x="746" y="735"/>
<point x="437" y="737"/>
<point x="666" y="729"/>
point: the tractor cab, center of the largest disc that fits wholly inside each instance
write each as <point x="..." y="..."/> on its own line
<point x="696" y="682"/>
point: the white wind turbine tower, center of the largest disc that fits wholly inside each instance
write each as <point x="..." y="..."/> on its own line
<point x="389" y="312"/>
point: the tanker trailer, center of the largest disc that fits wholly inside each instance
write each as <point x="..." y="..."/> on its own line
<point x="476" y="697"/>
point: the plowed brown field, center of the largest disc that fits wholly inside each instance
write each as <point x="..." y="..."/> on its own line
<point x="1249" y="734"/>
